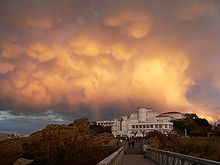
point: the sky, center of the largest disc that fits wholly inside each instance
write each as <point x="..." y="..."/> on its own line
<point x="61" y="60"/>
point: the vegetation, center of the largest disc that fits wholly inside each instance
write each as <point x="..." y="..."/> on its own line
<point x="100" y="129"/>
<point x="3" y="136"/>
<point x="203" y="147"/>
<point x="195" y="144"/>
<point x="194" y="127"/>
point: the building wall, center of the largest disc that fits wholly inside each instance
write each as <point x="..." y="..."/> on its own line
<point x="140" y="123"/>
<point x="217" y="124"/>
<point x="105" y="123"/>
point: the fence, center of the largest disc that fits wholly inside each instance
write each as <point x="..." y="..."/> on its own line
<point x="162" y="157"/>
<point x="113" y="159"/>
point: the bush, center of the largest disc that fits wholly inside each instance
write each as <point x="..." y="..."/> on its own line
<point x="203" y="147"/>
<point x="100" y="129"/>
<point x="194" y="127"/>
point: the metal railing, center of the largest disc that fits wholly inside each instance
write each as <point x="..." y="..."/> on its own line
<point x="162" y="157"/>
<point x="113" y="159"/>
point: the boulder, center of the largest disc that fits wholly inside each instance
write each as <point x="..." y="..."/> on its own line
<point x="62" y="145"/>
<point x="10" y="151"/>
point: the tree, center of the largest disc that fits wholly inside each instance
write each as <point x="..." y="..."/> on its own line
<point x="202" y="122"/>
<point x="181" y="125"/>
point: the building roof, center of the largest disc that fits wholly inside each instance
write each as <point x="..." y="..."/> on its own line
<point x="191" y="115"/>
<point x="172" y="113"/>
<point x="148" y="107"/>
<point x="161" y="115"/>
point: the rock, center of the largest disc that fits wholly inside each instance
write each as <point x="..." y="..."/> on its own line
<point x="10" y="151"/>
<point x="22" y="161"/>
<point x="62" y="145"/>
<point x="82" y="124"/>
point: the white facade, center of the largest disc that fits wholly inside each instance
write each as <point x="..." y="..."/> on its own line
<point x="217" y="123"/>
<point x="140" y="123"/>
<point x="105" y="123"/>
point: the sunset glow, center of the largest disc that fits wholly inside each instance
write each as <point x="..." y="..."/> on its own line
<point x="110" y="56"/>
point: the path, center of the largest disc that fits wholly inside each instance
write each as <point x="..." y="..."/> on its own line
<point x="136" y="160"/>
<point x="135" y="156"/>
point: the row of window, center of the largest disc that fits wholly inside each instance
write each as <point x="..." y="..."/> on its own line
<point x="106" y="123"/>
<point x="152" y="126"/>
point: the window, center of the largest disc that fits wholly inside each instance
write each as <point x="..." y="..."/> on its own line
<point x="136" y="126"/>
<point x="160" y="126"/>
<point x="156" y="126"/>
<point x="165" y="125"/>
<point x="132" y="126"/>
<point x="144" y="126"/>
<point x="147" y="126"/>
<point x="140" y="126"/>
<point x="151" y="126"/>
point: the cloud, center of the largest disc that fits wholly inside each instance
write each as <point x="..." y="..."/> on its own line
<point x="28" y="123"/>
<point x="48" y="115"/>
<point x="106" y="58"/>
<point x="192" y="10"/>
<point x="11" y="50"/>
<point x="5" y="67"/>
<point x="41" y="52"/>
<point x="129" y="22"/>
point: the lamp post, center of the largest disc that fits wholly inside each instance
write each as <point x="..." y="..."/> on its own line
<point x="185" y="132"/>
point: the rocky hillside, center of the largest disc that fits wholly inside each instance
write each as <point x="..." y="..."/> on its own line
<point x="70" y="144"/>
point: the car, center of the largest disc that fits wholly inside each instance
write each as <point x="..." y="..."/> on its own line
<point x="122" y="137"/>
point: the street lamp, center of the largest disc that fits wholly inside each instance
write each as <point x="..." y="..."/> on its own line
<point x="185" y="132"/>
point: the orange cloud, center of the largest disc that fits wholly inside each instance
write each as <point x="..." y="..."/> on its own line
<point x="115" y="59"/>
<point x="195" y="10"/>
<point x="6" y="67"/>
<point x="132" y="23"/>
<point x="41" y="52"/>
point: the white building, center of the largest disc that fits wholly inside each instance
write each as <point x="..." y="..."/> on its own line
<point x="217" y="124"/>
<point x="104" y="123"/>
<point x="140" y="123"/>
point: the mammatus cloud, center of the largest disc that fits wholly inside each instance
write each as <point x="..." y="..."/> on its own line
<point x="109" y="57"/>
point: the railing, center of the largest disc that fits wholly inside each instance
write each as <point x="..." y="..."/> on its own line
<point x="162" y="157"/>
<point x="113" y="159"/>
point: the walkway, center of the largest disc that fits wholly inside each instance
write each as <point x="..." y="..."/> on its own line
<point x="135" y="156"/>
<point x="136" y="160"/>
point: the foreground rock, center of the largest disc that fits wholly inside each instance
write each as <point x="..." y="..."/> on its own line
<point x="60" y="144"/>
